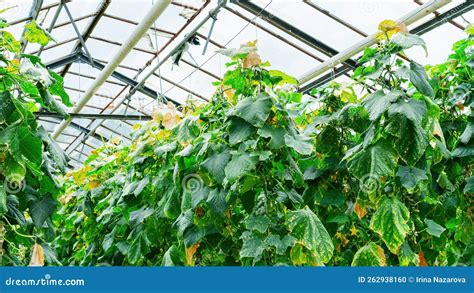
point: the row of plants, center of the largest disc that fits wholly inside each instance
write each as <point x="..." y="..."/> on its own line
<point x="261" y="175"/>
<point x="30" y="161"/>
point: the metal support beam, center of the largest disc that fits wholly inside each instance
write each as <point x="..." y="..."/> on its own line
<point x="436" y="13"/>
<point x="34" y="12"/>
<point x="76" y="29"/>
<point x="53" y="23"/>
<point x="335" y="18"/>
<point x="178" y="46"/>
<point x="87" y="33"/>
<point x="67" y="41"/>
<point x="71" y="58"/>
<point x="419" y="30"/>
<point x="119" y="76"/>
<point x="80" y="57"/>
<point x="155" y="12"/>
<point x="96" y="116"/>
<point x="83" y="130"/>
<point x="272" y="33"/>
<point x="45" y="7"/>
<point x="444" y="18"/>
<point x="342" y="57"/>
<point x="94" y="126"/>
<point x="290" y="29"/>
<point x="93" y="77"/>
<point x="154" y="54"/>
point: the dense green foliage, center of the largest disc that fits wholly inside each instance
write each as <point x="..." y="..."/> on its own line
<point x="29" y="158"/>
<point x="260" y="176"/>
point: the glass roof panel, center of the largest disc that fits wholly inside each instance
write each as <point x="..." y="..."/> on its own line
<point x="15" y="9"/>
<point x="53" y="53"/>
<point x="437" y="51"/>
<point x="367" y="14"/>
<point x="298" y="15"/>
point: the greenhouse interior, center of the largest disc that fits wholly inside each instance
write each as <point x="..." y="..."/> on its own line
<point x="236" y="133"/>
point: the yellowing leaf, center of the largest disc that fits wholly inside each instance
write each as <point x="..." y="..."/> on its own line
<point x="402" y="28"/>
<point x="300" y="255"/>
<point x="229" y="93"/>
<point x="387" y="25"/>
<point x="422" y="261"/>
<point x="167" y="115"/>
<point x="252" y="60"/>
<point x="390" y="222"/>
<point x="79" y="176"/>
<point x="190" y="254"/>
<point x="36" y="34"/>
<point x="470" y="29"/>
<point x="170" y="121"/>
<point x="388" y="28"/>
<point x="115" y="140"/>
<point x="162" y="134"/>
<point x="250" y="44"/>
<point x="369" y="255"/>
<point x="136" y="126"/>
<point x="14" y="66"/>
<point x="381" y="254"/>
<point x="93" y="184"/>
<point x="37" y="256"/>
<point x="359" y="210"/>
<point x="9" y="41"/>
<point x="65" y="199"/>
<point x="346" y="95"/>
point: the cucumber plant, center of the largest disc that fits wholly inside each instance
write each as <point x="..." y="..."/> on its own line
<point x="30" y="160"/>
<point x="377" y="172"/>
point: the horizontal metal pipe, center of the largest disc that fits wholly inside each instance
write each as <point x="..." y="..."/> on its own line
<point x="96" y="116"/>
<point x="358" y="47"/>
<point x="134" y="38"/>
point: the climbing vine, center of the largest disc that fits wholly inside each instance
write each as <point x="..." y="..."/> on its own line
<point x="30" y="160"/>
<point x="376" y="172"/>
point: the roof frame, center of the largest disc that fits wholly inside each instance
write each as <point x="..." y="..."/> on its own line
<point x="291" y="30"/>
<point x="88" y="32"/>
<point x="47" y="7"/>
<point x="295" y="40"/>
<point x="79" y="56"/>
<point x="133" y="89"/>
<point x="34" y="12"/>
<point x="419" y="30"/>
